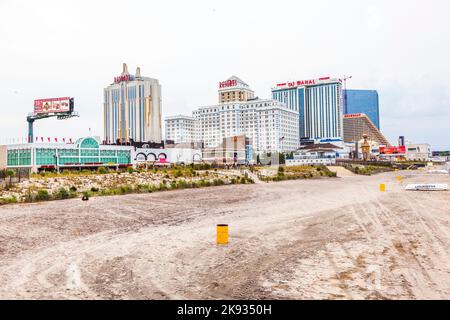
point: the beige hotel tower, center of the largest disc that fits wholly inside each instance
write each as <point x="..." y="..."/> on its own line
<point x="132" y="109"/>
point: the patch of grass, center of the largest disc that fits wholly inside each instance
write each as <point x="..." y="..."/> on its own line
<point x="218" y="182"/>
<point x="106" y="192"/>
<point x="87" y="194"/>
<point x="8" y="200"/>
<point x="367" y="170"/>
<point x="299" y="172"/>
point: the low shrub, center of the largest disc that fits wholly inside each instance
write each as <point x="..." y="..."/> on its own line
<point x="218" y="182"/>
<point x="182" y="184"/>
<point x="86" y="195"/>
<point x="106" y="192"/>
<point x="29" y="197"/>
<point x="125" y="189"/>
<point x="42" y="195"/>
<point x="62" y="194"/>
<point x="178" y="174"/>
<point x="162" y="186"/>
<point x="102" y="170"/>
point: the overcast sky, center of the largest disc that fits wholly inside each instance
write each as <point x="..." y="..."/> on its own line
<point x="76" y="48"/>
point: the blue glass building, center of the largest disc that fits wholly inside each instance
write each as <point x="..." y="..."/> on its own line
<point x="363" y="101"/>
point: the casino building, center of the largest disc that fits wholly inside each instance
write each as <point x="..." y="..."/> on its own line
<point x="84" y="153"/>
<point x="132" y="109"/>
<point x="234" y="89"/>
<point x="181" y="129"/>
<point x="363" y="101"/>
<point x="268" y="124"/>
<point x="87" y="153"/>
<point x="319" y="106"/>
<point x="359" y="124"/>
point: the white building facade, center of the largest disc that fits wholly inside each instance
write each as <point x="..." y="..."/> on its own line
<point x="418" y="151"/>
<point x="132" y="109"/>
<point x="181" y="129"/>
<point x="270" y="126"/>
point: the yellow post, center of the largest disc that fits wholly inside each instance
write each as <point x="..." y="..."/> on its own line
<point x="382" y="187"/>
<point x="399" y="178"/>
<point x="222" y="234"/>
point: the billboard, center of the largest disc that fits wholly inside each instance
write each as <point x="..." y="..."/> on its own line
<point x="392" y="150"/>
<point x="53" y="105"/>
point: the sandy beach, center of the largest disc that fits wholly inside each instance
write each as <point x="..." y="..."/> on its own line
<point x="331" y="238"/>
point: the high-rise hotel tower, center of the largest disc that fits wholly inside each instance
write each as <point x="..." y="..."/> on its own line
<point x="132" y="109"/>
<point x="319" y="105"/>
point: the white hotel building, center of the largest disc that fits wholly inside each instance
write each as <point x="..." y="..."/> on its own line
<point x="269" y="124"/>
<point x="181" y="129"/>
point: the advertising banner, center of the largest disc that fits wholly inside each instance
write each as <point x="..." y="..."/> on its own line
<point x="52" y="105"/>
<point x="393" y="150"/>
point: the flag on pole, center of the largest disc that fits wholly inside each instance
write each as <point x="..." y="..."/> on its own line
<point x="48" y="139"/>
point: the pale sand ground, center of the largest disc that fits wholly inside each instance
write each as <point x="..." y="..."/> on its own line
<point x="313" y="239"/>
<point x="341" y="171"/>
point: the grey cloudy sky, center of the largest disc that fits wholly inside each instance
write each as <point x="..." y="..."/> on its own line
<point x="75" y="48"/>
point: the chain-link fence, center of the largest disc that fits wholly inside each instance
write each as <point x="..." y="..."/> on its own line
<point x="8" y="177"/>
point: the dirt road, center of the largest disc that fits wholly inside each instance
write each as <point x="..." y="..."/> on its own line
<point x="314" y="239"/>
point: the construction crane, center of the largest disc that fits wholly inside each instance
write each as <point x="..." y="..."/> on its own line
<point x="60" y="115"/>
<point x="346" y="112"/>
<point x="345" y="93"/>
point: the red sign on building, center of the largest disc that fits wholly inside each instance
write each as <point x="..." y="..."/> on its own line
<point x="125" y="77"/>
<point x="393" y="150"/>
<point x="302" y="82"/>
<point x="227" y="84"/>
<point x="353" y="115"/>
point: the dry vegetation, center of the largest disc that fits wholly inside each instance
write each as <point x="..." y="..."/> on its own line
<point x="65" y="185"/>
<point x="293" y="173"/>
